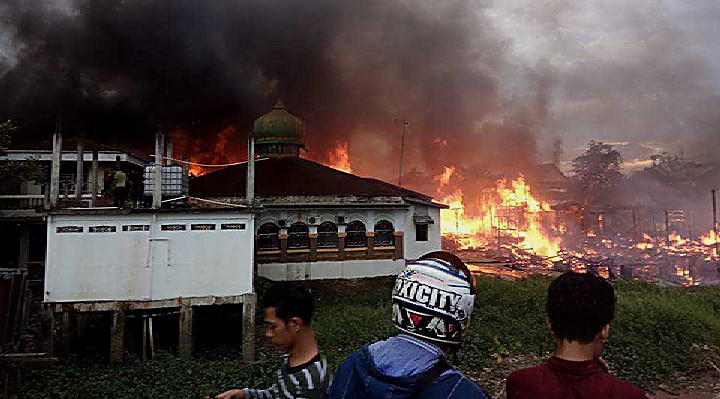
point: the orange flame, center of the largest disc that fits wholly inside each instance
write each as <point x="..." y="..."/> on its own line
<point x="198" y="151"/>
<point x="710" y="238"/>
<point x="676" y="240"/>
<point x="508" y="211"/>
<point x="444" y="177"/>
<point x="339" y="158"/>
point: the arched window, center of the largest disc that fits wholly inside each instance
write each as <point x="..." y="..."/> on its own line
<point x="384" y="234"/>
<point x="355" y="235"/>
<point x="327" y="235"/>
<point x="298" y="236"/>
<point x="268" y="237"/>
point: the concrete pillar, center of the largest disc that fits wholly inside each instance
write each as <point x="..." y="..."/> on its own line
<point x="79" y="170"/>
<point x="313" y="236"/>
<point x="341" y="245"/>
<point x="370" y="237"/>
<point x="398" y="253"/>
<point x="187" y="331"/>
<point x="94" y="179"/>
<point x="248" y="328"/>
<point x="117" y="337"/>
<point x="55" y="167"/>
<point x="169" y="153"/>
<point x="250" y="188"/>
<point x="283" y="247"/>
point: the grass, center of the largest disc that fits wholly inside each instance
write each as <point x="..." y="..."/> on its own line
<point x="652" y="340"/>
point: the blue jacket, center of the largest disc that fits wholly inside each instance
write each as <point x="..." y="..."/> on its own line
<point x="393" y="369"/>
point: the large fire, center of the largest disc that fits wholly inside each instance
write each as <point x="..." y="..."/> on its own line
<point x="339" y="158"/>
<point x="508" y="212"/>
<point x="503" y="226"/>
<point x="220" y="153"/>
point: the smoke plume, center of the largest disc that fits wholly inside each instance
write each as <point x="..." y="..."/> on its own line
<point x="482" y="84"/>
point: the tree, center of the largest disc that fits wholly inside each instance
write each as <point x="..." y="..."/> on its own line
<point x="597" y="171"/>
<point x="673" y="170"/>
<point x="674" y="182"/>
<point x="29" y="169"/>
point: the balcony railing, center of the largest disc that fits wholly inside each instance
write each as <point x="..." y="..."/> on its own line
<point x="21" y="201"/>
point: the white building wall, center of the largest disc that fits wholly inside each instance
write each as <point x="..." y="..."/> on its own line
<point x="324" y="270"/>
<point x="413" y="248"/>
<point x="401" y="218"/>
<point x="148" y="265"/>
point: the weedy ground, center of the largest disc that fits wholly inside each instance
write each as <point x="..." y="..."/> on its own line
<point x="662" y="336"/>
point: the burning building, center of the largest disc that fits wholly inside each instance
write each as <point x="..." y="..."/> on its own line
<point x="319" y="222"/>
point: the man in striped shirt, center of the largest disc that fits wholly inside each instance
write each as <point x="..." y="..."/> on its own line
<point x="303" y="373"/>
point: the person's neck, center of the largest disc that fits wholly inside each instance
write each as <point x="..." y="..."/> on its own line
<point x="574" y="350"/>
<point x="305" y="348"/>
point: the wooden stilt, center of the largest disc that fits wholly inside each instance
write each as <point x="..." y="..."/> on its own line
<point x="50" y="336"/>
<point x="145" y="338"/>
<point x="187" y="331"/>
<point x="117" y="337"/>
<point x="68" y="332"/>
<point x="152" y="337"/>
<point x="248" y="328"/>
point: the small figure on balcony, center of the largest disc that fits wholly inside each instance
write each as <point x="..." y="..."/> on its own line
<point x="120" y="190"/>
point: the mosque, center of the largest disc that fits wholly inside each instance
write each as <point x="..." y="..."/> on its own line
<point x="317" y="222"/>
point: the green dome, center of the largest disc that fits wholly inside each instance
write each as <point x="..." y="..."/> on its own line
<point x="279" y="126"/>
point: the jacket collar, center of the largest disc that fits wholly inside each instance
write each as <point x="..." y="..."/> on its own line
<point x="573" y="367"/>
<point x="422" y="344"/>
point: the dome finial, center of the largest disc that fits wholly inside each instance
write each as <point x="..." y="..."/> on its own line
<point x="279" y="104"/>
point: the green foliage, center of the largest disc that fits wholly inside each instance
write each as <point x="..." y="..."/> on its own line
<point x="28" y="169"/>
<point x="651" y="338"/>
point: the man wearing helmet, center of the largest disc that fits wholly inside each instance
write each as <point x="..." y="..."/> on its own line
<point x="432" y="303"/>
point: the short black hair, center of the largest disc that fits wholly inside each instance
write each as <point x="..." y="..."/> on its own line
<point x="290" y="301"/>
<point x="579" y="305"/>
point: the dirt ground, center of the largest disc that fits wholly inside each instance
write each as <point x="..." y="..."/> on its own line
<point x="707" y="387"/>
<point x="696" y="394"/>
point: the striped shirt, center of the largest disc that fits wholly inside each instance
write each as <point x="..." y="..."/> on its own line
<point x="309" y="381"/>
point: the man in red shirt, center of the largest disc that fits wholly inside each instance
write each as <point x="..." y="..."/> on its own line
<point x="580" y="308"/>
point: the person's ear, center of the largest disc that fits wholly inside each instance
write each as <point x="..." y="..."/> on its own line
<point x="549" y="326"/>
<point x="605" y="333"/>
<point x="296" y="324"/>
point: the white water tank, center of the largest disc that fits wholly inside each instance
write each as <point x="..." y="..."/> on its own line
<point x="175" y="180"/>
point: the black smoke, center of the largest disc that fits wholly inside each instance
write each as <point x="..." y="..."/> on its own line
<point x="118" y="70"/>
<point x="481" y="83"/>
